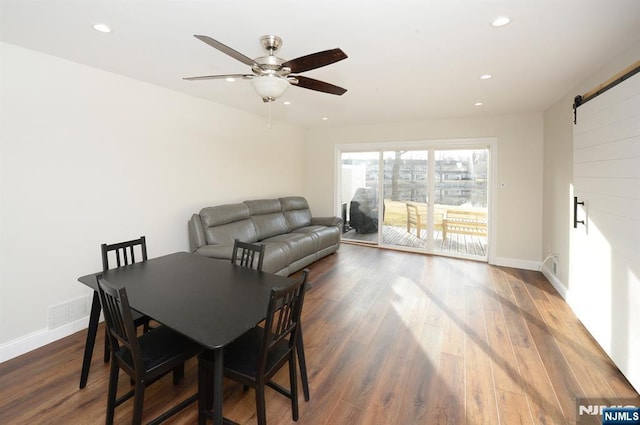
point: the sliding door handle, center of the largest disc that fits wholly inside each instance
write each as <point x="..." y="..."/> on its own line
<point x="575" y="212"/>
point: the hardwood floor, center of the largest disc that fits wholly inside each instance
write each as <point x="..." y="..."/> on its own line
<point x="390" y="338"/>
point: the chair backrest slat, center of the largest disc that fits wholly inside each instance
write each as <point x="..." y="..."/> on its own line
<point x="124" y="252"/>
<point x="283" y="315"/>
<point x="248" y="255"/>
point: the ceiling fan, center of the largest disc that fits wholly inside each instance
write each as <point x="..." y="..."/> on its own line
<point x="271" y="75"/>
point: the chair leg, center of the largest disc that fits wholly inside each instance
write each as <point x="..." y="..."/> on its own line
<point x="138" y="403"/>
<point x="111" y="394"/>
<point x="293" y="380"/>
<point x="260" y="404"/>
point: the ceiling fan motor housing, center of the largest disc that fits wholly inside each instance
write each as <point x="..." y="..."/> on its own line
<point x="270" y="65"/>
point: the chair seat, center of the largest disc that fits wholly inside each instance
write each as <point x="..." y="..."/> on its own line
<point x="160" y="346"/>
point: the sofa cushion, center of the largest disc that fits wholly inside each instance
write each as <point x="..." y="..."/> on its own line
<point x="226" y="233"/>
<point x="263" y="206"/>
<point x="224" y="223"/>
<point x="223" y="214"/>
<point x="296" y="212"/>
<point x="300" y="244"/>
<point x="277" y="256"/>
<point x="326" y="236"/>
<point x="267" y="218"/>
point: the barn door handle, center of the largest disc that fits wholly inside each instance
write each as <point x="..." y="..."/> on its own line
<point x="575" y="212"/>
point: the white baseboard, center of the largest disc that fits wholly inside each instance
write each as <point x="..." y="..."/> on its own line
<point x="516" y="263"/>
<point x="555" y="282"/>
<point x="40" y="338"/>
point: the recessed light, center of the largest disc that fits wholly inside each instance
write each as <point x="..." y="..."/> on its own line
<point x="230" y="80"/>
<point x="324" y="118"/>
<point x="102" y="28"/>
<point x="286" y="102"/>
<point x="500" y="21"/>
<point x="486" y="76"/>
<point x="477" y="104"/>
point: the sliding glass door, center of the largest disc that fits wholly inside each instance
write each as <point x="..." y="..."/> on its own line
<point x="461" y="201"/>
<point x="406" y="195"/>
<point x="429" y="199"/>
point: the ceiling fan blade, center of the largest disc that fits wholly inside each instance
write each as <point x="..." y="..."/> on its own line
<point x="226" y="50"/>
<point x="317" y="85"/>
<point x="220" y="77"/>
<point x="315" y="60"/>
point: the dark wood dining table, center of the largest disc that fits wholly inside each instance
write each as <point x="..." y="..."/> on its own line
<point x="210" y="301"/>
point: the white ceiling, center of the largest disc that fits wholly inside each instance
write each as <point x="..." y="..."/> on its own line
<point x="408" y="60"/>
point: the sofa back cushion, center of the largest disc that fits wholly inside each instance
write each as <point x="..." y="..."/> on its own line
<point x="296" y="212"/>
<point x="224" y="223"/>
<point x="267" y="217"/>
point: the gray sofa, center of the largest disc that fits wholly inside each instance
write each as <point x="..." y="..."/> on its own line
<point x="292" y="237"/>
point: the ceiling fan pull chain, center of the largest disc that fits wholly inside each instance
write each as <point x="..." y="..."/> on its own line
<point x="269" y="122"/>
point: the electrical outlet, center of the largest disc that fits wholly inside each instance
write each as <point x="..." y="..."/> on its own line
<point x="554" y="266"/>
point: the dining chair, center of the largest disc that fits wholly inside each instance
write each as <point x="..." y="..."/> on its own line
<point x="244" y="254"/>
<point x="124" y="253"/>
<point x="255" y="357"/>
<point x="145" y="359"/>
<point x="247" y="254"/>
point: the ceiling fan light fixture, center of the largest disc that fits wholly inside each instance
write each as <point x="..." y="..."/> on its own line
<point x="269" y="87"/>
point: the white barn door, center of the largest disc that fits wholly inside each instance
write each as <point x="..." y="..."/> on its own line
<point x="604" y="282"/>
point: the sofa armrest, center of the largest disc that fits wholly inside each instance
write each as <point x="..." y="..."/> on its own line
<point x="222" y="252"/>
<point x="196" y="233"/>
<point x="326" y="221"/>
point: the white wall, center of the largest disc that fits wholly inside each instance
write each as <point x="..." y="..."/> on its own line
<point x="519" y="203"/>
<point x="88" y="157"/>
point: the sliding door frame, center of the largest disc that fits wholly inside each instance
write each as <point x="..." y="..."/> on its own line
<point x="489" y="143"/>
